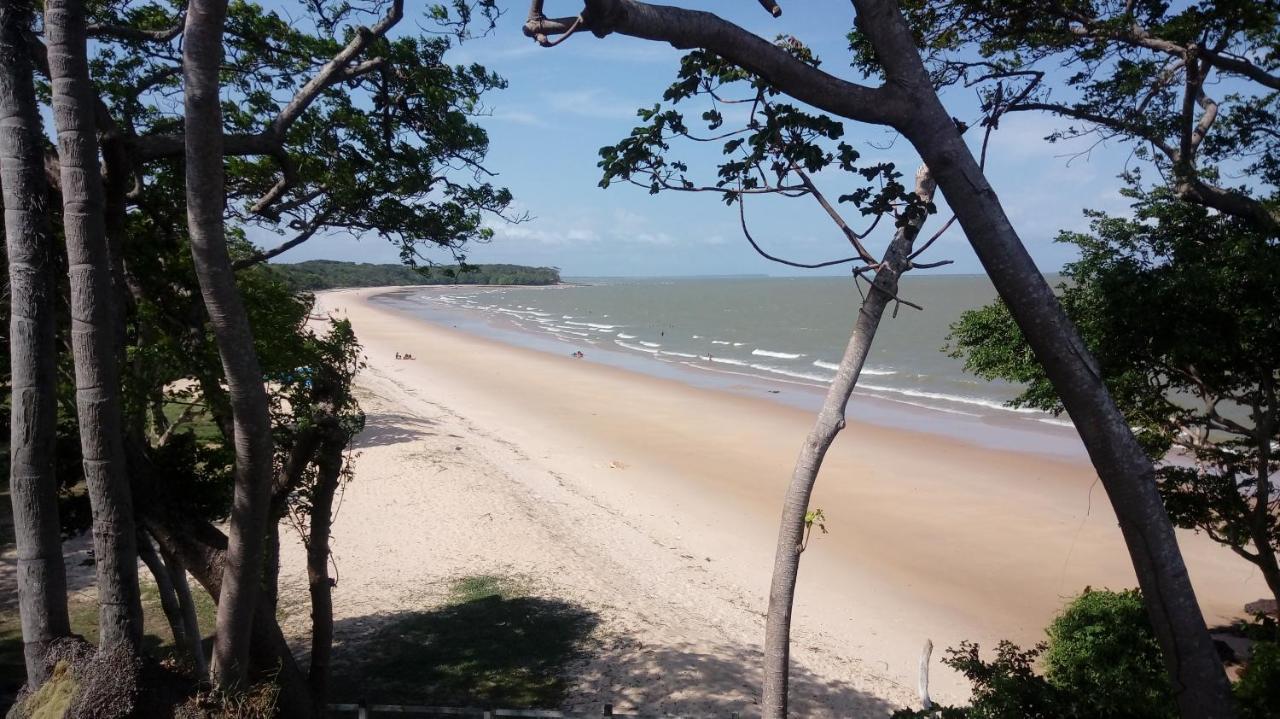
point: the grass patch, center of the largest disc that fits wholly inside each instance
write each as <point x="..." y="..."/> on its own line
<point x="490" y="645"/>
<point x="199" y="421"/>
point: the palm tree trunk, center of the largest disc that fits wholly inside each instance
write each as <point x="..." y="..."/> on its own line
<point x="242" y="573"/>
<point x="830" y="421"/>
<point x="92" y="327"/>
<point x="42" y="580"/>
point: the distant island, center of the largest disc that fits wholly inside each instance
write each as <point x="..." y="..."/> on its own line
<point x="331" y="274"/>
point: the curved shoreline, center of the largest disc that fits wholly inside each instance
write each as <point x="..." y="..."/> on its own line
<point x="656" y="503"/>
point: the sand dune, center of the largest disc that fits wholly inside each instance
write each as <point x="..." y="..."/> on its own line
<point x="654" y="505"/>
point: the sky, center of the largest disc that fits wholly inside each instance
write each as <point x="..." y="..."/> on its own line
<point x="564" y="103"/>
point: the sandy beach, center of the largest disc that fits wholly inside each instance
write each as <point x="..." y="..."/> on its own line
<point x="654" y="504"/>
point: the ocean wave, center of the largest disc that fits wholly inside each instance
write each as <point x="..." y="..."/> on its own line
<point x="770" y="353"/>
<point x="650" y="344"/>
<point x="727" y="360"/>
<point x="789" y="373"/>
<point x="620" y="343"/>
<point x="677" y="354"/>
<point x="719" y="342"/>
<point x="626" y="337"/>
<point x="959" y="399"/>
<point x="865" y="370"/>
<point x="738" y="344"/>
<point x="592" y="325"/>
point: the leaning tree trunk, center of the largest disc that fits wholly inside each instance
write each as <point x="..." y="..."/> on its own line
<point x="1200" y="682"/>
<point x="42" y="580"/>
<point x="92" y="328"/>
<point x="190" y="618"/>
<point x="169" y="603"/>
<point x="831" y="419"/>
<point x="201" y="60"/>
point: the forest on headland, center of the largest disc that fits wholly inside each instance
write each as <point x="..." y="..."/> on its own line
<point x="173" y="402"/>
<point x="331" y="274"/>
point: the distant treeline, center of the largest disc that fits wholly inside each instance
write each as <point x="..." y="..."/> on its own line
<point x="328" y="274"/>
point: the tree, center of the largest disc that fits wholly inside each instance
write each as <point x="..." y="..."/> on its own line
<point x="93" y="329"/>
<point x="42" y="590"/>
<point x="1192" y="86"/>
<point x="1196" y="379"/>
<point x="908" y="102"/>
<point x="776" y="152"/>
<point x="332" y="125"/>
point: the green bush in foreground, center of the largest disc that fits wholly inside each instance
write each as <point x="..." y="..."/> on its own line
<point x="1103" y="654"/>
<point x="1101" y="662"/>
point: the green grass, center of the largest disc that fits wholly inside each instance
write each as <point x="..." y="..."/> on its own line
<point x="199" y="422"/>
<point x="491" y="644"/>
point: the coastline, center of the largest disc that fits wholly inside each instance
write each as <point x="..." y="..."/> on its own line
<point x="656" y="503"/>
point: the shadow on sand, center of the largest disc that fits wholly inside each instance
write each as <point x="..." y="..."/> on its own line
<point x="492" y="649"/>
<point x="382" y="429"/>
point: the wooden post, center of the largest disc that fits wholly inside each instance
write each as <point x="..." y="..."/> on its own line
<point x="608" y="710"/>
<point x="925" y="703"/>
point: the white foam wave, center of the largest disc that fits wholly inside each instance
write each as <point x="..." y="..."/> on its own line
<point x="789" y="373"/>
<point x="865" y="370"/>
<point x="626" y="337"/>
<point x="770" y="353"/>
<point x="677" y="354"/>
<point x="959" y="399"/>
<point x="620" y="343"/>
<point x="727" y="360"/>
<point x="650" y="344"/>
<point x="592" y="325"/>
<point x="719" y="342"/>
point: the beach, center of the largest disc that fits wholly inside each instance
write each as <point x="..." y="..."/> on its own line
<point x="654" y="504"/>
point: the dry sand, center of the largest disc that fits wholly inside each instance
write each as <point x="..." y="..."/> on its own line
<point x="654" y="504"/>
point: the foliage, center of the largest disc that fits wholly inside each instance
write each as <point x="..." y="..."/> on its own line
<point x="328" y="274"/>
<point x="1101" y="649"/>
<point x="1179" y="306"/>
<point x="776" y="151"/>
<point x="1191" y="86"/>
<point x="1258" y="690"/>
<point x="1101" y="662"/>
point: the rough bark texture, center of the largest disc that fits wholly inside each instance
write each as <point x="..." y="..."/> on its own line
<point x="329" y="474"/>
<point x="831" y="419"/>
<point x="92" y="328"/>
<point x="42" y="581"/>
<point x="242" y="573"/>
<point x="908" y="103"/>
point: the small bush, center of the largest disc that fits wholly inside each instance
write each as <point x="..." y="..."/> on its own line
<point x="1103" y="653"/>
<point x="1258" y="690"/>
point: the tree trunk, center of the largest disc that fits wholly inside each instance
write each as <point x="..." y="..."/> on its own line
<point x="202" y="58"/>
<point x="168" y="593"/>
<point x="329" y="474"/>
<point x="190" y="617"/>
<point x="1201" y="685"/>
<point x="831" y="419"/>
<point x="42" y="580"/>
<point x="92" y="328"/>
<point x="202" y="548"/>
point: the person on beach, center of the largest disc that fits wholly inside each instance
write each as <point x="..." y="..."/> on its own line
<point x="397" y="355"/>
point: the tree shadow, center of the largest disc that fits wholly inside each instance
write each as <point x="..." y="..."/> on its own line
<point x="382" y="429"/>
<point x="490" y="650"/>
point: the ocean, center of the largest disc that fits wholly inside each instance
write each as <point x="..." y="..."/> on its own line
<point x="790" y="331"/>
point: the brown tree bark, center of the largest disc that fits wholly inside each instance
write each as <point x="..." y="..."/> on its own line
<point x="329" y="475"/>
<point x="829" y="423"/>
<point x="908" y="103"/>
<point x="242" y="573"/>
<point x="42" y="580"/>
<point x="92" y="328"/>
<point x="190" y="618"/>
<point x="168" y="593"/>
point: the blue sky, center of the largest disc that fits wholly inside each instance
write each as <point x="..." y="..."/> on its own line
<point x="564" y="103"/>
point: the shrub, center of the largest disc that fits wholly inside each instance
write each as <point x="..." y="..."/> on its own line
<point x="1258" y="690"/>
<point x="1103" y="653"/>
